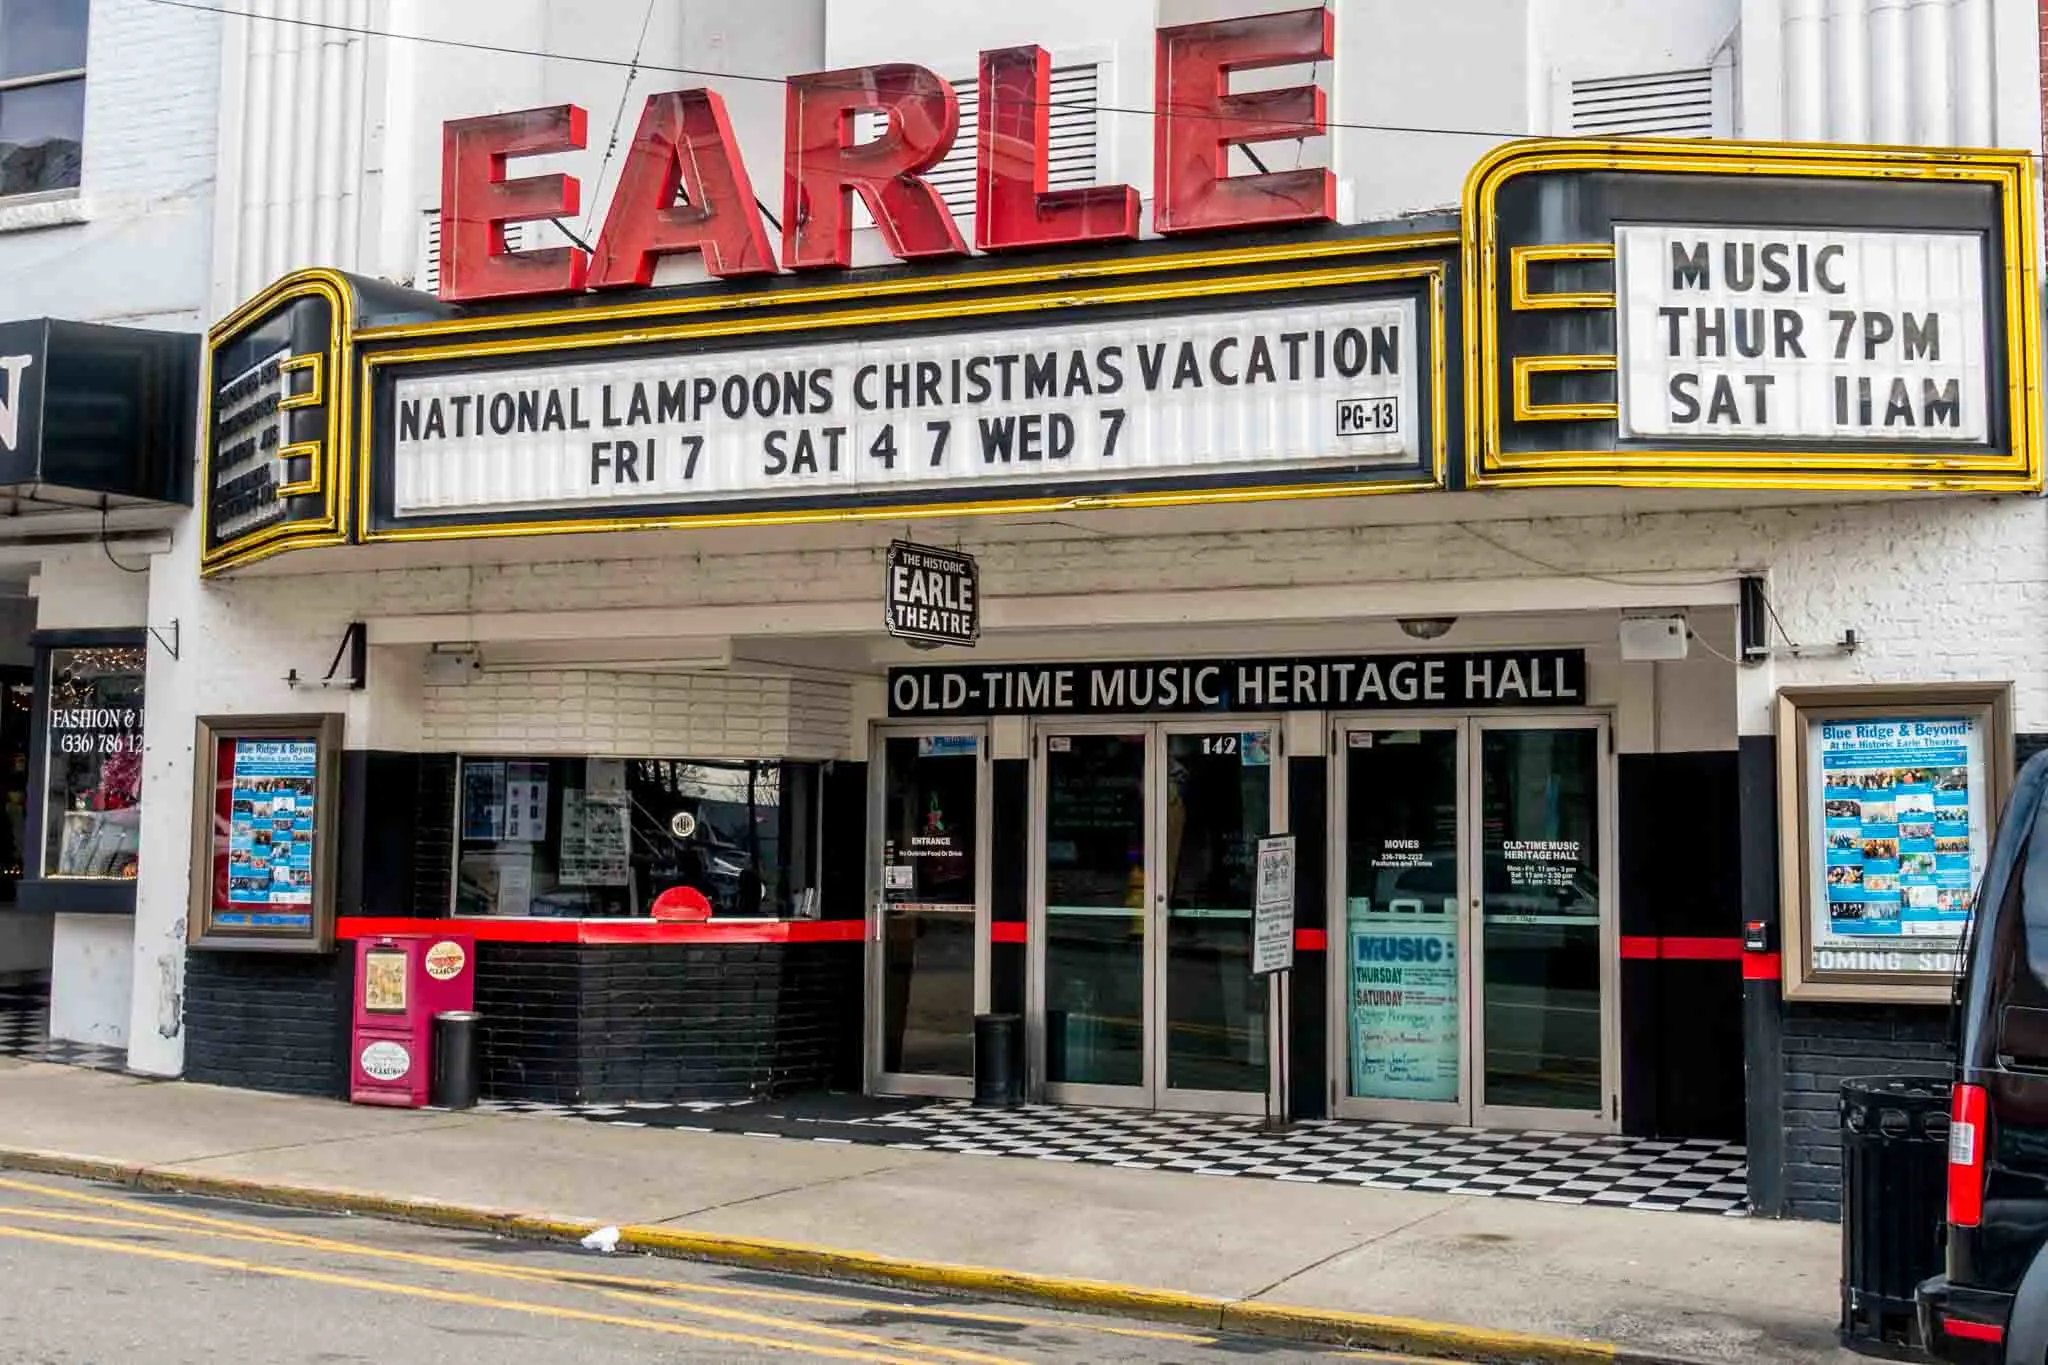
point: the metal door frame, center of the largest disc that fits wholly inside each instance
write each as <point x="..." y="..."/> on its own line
<point x="878" y="1081"/>
<point x="1165" y="1097"/>
<point x="1152" y="1092"/>
<point x="1338" y="913"/>
<point x="1607" y="1118"/>
<point x="1117" y="1096"/>
<point x="1470" y="1108"/>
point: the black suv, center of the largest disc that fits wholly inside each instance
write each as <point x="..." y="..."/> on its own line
<point x="1992" y="1305"/>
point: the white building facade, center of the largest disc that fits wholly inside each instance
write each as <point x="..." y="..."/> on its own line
<point x="108" y="126"/>
<point x="1575" y="857"/>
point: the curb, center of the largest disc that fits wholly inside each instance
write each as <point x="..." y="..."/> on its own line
<point x="1405" y="1336"/>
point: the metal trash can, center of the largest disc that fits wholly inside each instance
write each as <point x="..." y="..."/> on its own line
<point x="1894" y="1193"/>
<point x="454" y="1079"/>
<point x="998" y="1060"/>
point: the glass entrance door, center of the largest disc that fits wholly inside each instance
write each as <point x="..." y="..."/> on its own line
<point x="1475" y="976"/>
<point x="1145" y="847"/>
<point x="928" y="975"/>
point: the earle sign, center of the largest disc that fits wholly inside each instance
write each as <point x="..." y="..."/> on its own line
<point x="1740" y="334"/>
<point x="684" y="187"/>
<point x="933" y="596"/>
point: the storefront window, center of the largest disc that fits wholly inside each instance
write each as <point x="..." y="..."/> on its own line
<point x="93" y="801"/>
<point x="602" y="838"/>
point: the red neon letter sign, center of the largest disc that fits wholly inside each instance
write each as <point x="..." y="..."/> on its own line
<point x="1013" y="154"/>
<point x="1199" y="121"/>
<point x="822" y="166"/>
<point x="477" y="201"/>
<point x="685" y="143"/>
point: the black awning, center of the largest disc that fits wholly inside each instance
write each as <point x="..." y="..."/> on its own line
<point x="107" y="411"/>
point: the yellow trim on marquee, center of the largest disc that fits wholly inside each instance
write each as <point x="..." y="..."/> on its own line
<point x="331" y="471"/>
<point x="1520" y="258"/>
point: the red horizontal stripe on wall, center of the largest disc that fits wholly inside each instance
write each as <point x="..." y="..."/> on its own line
<point x="610" y="931"/>
<point x="1650" y="948"/>
<point x="1700" y="949"/>
<point x="1311" y="941"/>
<point x="1006" y="931"/>
<point x="1762" y="966"/>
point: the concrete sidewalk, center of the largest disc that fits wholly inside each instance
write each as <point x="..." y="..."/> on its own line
<point x="1654" y="1284"/>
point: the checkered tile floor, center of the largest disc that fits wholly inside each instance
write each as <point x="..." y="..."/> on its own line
<point x="25" y="1032"/>
<point x="1695" y="1176"/>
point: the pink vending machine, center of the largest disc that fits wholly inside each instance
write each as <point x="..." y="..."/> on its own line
<point x="402" y="982"/>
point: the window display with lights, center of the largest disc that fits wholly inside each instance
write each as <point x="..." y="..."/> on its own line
<point x="92" y="806"/>
<point x="603" y="838"/>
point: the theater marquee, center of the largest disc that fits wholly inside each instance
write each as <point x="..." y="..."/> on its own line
<point x="1262" y="392"/>
<point x="1771" y="316"/>
<point x="1666" y="314"/>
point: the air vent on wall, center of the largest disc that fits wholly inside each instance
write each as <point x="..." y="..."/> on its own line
<point x="427" y="274"/>
<point x="1689" y="103"/>
<point x="1074" y="95"/>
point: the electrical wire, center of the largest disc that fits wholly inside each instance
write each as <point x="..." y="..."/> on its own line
<point x="107" y="549"/>
<point x="506" y="50"/>
<point x="1645" y="578"/>
<point x="1772" y="611"/>
<point x="1692" y="634"/>
<point x="619" y="118"/>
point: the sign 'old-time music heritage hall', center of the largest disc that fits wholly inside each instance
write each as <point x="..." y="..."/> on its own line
<point x="953" y="632"/>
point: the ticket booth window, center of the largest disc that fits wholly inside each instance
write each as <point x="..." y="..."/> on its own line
<point x="601" y="838"/>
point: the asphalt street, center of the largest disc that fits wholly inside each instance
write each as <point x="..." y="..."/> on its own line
<point x="91" y="1274"/>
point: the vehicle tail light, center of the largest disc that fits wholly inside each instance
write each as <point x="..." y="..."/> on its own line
<point x="1962" y="1328"/>
<point x="1968" y="1109"/>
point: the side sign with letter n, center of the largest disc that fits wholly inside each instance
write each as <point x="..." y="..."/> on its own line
<point x="932" y="596"/>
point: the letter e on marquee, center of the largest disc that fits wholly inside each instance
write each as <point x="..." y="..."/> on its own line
<point x="477" y="201"/>
<point x="1198" y="121"/>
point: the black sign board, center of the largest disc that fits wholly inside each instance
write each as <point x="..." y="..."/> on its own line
<point x="92" y="409"/>
<point x="1337" y="682"/>
<point x="932" y="596"/>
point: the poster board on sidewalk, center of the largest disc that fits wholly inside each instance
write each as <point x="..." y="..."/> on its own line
<point x="1273" y="907"/>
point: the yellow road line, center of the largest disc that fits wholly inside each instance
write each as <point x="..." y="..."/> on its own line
<point x="707" y="1310"/>
<point x="169" y="1219"/>
<point x="453" y="1297"/>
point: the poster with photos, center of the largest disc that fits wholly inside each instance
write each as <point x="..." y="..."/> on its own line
<point x="1902" y="813"/>
<point x="271" y="824"/>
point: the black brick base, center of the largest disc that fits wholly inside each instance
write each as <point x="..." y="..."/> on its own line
<point x="268" y="1021"/>
<point x="667" y="1021"/>
<point x="1825" y="1045"/>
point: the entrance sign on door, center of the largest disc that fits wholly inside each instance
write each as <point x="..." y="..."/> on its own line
<point x="1273" y="910"/>
<point x="1404" y="1011"/>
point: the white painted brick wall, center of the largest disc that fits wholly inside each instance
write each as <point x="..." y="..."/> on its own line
<point x="1941" y="588"/>
<point x="638" y="715"/>
<point x="142" y="254"/>
<point x="1935" y="589"/>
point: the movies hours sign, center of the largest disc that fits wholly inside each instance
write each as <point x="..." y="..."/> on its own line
<point x="1275" y="391"/>
<point x="1747" y="334"/>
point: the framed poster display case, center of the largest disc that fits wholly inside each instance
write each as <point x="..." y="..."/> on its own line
<point x="1888" y="799"/>
<point x="263" y="852"/>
